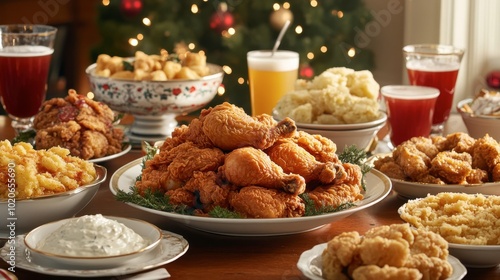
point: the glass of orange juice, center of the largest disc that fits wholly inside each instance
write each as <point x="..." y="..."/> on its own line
<point x="270" y="76"/>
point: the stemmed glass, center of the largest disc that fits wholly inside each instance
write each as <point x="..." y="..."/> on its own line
<point x="25" y="55"/>
<point x="435" y="66"/>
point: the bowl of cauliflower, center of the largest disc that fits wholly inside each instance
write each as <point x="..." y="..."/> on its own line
<point x="155" y="89"/>
<point x="340" y="104"/>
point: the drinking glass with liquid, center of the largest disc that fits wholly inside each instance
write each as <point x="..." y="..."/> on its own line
<point x="25" y="55"/>
<point x="435" y="66"/>
<point x="271" y="75"/>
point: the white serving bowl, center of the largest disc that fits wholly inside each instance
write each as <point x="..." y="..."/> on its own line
<point x="31" y="213"/>
<point x="476" y="255"/>
<point x="361" y="138"/>
<point x="146" y="230"/>
<point x="478" y="126"/>
<point x="155" y="104"/>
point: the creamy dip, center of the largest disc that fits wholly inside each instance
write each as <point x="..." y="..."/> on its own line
<point x="92" y="236"/>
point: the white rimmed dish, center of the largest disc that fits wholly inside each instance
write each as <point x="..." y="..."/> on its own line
<point x="361" y="138"/>
<point x="309" y="264"/>
<point x="419" y="190"/>
<point x="478" y="256"/>
<point x="33" y="212"/>
<point x="147" y="231"/>
<point x="171" y="247"/>
<point x="377" y="184"/>
<point x="126" y="148"/>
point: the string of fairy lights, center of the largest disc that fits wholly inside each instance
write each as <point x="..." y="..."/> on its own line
<point x="232" y="30"/>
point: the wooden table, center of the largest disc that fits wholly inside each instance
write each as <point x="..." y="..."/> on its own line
<point x="212" y="256"/>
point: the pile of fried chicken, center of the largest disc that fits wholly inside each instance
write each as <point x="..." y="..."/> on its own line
<point x="254" y="166"/>
<point x="395" y="251"/>
<point x="453" y="159"/>
<point x="79" y="124"/>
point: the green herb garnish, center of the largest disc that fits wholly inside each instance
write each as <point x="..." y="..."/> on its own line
<point x="219" y="212"/>
<point x="128" y="66"/>
<point x="356" y="156"/>
<point x="312" y="210"/>
<point x="152" y="199"/>
<point x="27" y="136"/>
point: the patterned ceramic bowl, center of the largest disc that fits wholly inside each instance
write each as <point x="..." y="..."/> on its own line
<point x="155" y="104"/>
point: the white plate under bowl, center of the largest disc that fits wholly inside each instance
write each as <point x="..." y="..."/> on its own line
<point x="352" y="126"/>
<point x="420" y="190"/>
<point x="126" y="148"/>
<point x="377" y="184"/>
<point x="310" y="264"/>
<point x="171" y="247"/>
<point x="146" y="230"/>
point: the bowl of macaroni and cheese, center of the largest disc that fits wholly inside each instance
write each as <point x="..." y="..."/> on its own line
<point x="155" y="89"/>
<point x="92" y="241"/>
<point x="41" y="186"/>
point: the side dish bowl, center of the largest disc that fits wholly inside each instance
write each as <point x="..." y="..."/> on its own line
<point x="478" y="126"/>
<point x="146" y="230"/>
<point x="26" y="214"/>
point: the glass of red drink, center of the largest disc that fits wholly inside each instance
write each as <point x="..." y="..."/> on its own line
<point x="435" y="66"/>
<point x="25" y="55"/>
<point x="409" y="110"/>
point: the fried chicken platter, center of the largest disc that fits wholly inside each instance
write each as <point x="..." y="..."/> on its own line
<point x="254" y="167"/>
<point x="456" y="162"/>
<point x="83" y="126"/>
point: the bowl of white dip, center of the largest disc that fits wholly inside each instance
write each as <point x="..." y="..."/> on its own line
<point x="92" y="242"/>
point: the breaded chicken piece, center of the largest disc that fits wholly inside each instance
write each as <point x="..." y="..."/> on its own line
<point x="452" y="167"/>
<point x="253" y="167"/>
<point x="413" y="161"/>
<point x="172" y="169"/>
<point x="388" y="252"/>
<point x="389" y="167"/>
<point x="431" y="268"/>
<point x="211" y="192"/>
<point x="259" y="202"/>
<point x="374" y="272"/>
<point x="485" y="153"/>
<point x="322" y="148"/>
<point x="341" y="251"/>
<point x="459" y="142"/>
<point x="295" y="159"/>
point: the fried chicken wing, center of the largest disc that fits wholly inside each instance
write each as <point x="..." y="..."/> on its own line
<point x="229" y="127"/>
<point x="322" y="148"/>
<point x="252" y="167"/>
<point x="210" y="190"/>
<point x="295" y="159"/>
<point x="258" y="202"/>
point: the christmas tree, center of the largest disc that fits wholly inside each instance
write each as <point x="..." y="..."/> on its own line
<point x="322" y="31"/>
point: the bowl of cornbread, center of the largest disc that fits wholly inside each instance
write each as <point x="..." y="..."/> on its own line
<point x="340" y="104"/>
<point x="41" y="186"/>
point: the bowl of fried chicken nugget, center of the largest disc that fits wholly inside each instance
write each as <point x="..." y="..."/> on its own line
<point x="38" y="186"/>
<point x="396" y="251"/>
<point x="456" y="162"/>
<point x="155" y="88"/>
<point x="83" y="126"/>
<point x="481" y="114"/>
<point x="340" y="104"/>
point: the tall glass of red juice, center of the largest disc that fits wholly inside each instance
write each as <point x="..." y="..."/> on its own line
<point x="435" y="66"/>
<point x="25" y="55"/>
<point x="410" y="110"/>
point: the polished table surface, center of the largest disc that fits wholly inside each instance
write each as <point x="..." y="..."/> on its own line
<point x="213" y="256"/>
